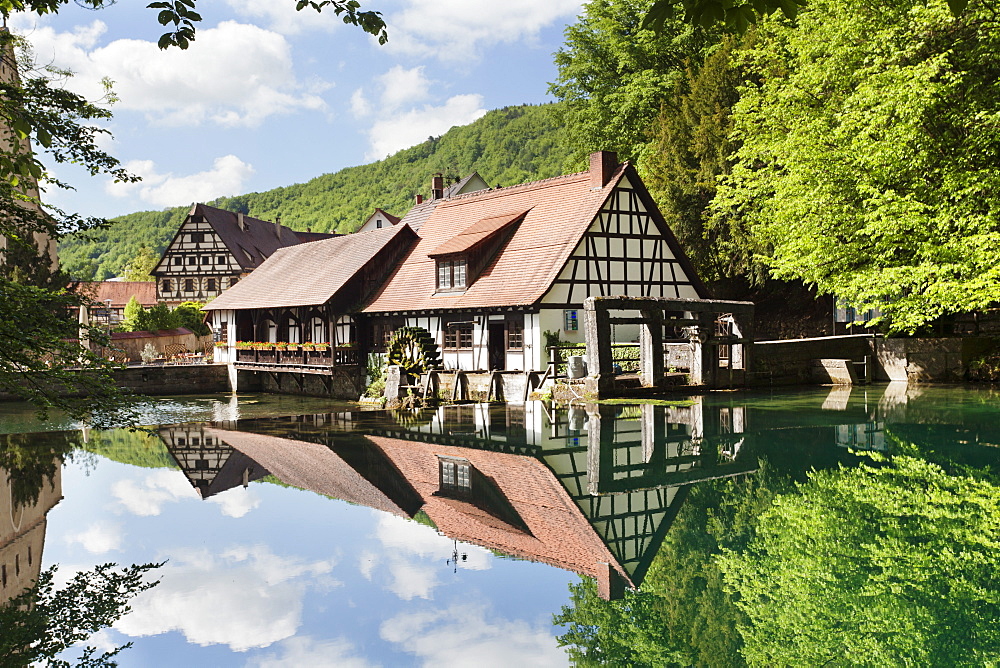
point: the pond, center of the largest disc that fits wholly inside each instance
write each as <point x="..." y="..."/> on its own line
<point x="841" y="526"/>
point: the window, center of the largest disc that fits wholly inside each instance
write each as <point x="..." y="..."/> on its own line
<point x="165" y="287"/>
<point x="455" y="474"/>
<point x="451" y="274"/>
<point x="188" y="285"/>
<point x="378" y="224"/>
<point x="220" y="259"/>
<point x="197" y="237"/>
<point x="458" y="336"/>
<point x="192" y="260"/>
<point x="233" y="281"/>
<point x="515" y="333"/>
<point x="206" y="259"/>
<point x="211" y="285"/>
<point x="178" y="260"/>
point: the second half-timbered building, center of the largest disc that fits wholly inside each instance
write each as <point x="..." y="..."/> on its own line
<point x="214" y="248"/>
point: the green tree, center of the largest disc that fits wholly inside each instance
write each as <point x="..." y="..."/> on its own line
<point x="615" y="76"/>
<point x="133" y="316"/>
<point x="868" y="159"/>
<point x="691" y="147"/>
<point x="887" y="565"/>
<point x="42" y="622"/>
<point x="140" y="266"/>
<point x="190" y="315"/>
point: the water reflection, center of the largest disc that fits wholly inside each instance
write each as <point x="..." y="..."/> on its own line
<point x="593" y="490"/>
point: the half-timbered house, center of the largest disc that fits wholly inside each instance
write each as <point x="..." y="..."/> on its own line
<point x="494" y="270"/>
<point x="214" y="248"/>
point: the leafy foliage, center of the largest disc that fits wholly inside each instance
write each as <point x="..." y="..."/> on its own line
<point x="43" y="621"/>
<point x="615" y="76"/>
<point x="868" y="158"/>
<point x="890" y="565"/>
<point x="137" y="318"/>
<point x="506" y="146"/>
<point x="140" y="266"/>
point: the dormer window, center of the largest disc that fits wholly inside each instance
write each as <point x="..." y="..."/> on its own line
<point x="454" y="474"/>
<point x="451" y="274"/>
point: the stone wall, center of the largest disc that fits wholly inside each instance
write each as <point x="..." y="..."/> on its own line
<point x="174" y="379"/>
<point x="796" y="361"/>
<point x="347" y="383"/>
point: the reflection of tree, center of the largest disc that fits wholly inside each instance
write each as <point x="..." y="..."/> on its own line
<point x="682" y="614"/>
<point x="44" y="621"/>
<point x="885" y="566"/>
<point x="31" y="461"/>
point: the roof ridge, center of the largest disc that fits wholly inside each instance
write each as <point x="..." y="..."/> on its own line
<point x="520" y="186"/>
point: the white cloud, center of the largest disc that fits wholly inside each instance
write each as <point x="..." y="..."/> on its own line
<point x="226" y="177"/>
<point x="245" y="598"/>
<point x="281" y="16"/>
<point x="458" y="30"/>
<point x="147" y="497"/>
<point x="360" y="106"/>
<point x="236" y="502"/>
<point x="416" y="555"/>
<point x="233" y="75"/>
<point x="402" y="87"/>
<point x="98" y="538"/>
<point x="398" y="131"/>
<point x="305" y="651"/>
<point x="462" y="636"/>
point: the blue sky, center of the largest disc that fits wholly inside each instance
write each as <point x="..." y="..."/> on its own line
<point x="267" y="96"/>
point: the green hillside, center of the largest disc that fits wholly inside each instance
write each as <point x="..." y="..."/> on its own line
<point x="506" y="146"/>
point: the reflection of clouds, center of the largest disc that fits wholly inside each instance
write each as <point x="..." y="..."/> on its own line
<point x="98" y="538"/>
<point x="236" y="502"/>
<point x="367" y="561"/>
<point x="462" y="636"/>
<point x="146" y="498"/>
<point x="305" y="651"/>
<point x="247" y="597"/>
<point x="415" y="554"/>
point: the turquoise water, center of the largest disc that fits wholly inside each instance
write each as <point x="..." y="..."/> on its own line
<point x="794" y="528"/>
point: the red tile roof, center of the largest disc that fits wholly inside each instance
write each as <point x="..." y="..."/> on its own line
<point x="477" y="233"/>
<point x="559" y="212"/>
<point x="309" y="274"/>
<point x="119" y="292"/>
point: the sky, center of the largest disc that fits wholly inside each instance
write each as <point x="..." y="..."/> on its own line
<point x="267" y="96"/>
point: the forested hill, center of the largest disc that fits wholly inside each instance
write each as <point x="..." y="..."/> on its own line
<point x="506" y="146"/>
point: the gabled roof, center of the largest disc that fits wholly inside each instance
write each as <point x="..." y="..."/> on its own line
<point x="119" y="292"/>
<point x="559" y="212"/>
<point x="385" y="214"/>
<point x="259" y="238"/>
<point x="309" y="274"/>
<point x="470" y="183"/>
<point x="477" y="233"/>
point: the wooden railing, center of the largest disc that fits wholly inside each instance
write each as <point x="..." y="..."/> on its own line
<point x="300" y="356"/>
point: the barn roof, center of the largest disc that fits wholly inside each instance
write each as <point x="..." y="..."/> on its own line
<point x="308" y="274"/>
<point x="559" y="211"/>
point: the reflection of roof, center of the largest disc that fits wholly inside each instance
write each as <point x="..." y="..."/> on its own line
<point x="557" y="531"/>
<point x="309" y="274"/>
<point x="259" y="238"/>
<point x="559" y="212"/>
<point x="119" y="292"/>
<point x="317" y="468"/>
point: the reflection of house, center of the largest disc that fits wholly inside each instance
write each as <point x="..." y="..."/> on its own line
<point x="22" y="531"/>
<point x="488" y="272"/>
<point x="210" y="464"/>
<point x="110" y="297"/>
<point x="516" y="479"/>
<point x="214" y="248"/>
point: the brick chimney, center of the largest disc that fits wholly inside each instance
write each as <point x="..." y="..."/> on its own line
<point x="419" y="199"/>
<point x="277" y="226"/>
<point x="602" y="165"/>
<point x="437" y="186"/>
